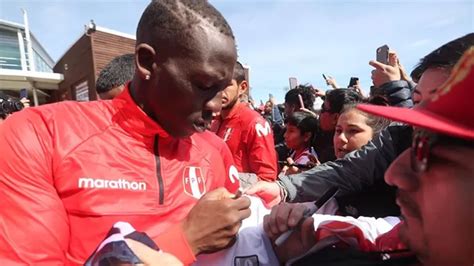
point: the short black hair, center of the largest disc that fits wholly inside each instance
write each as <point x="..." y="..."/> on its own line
<point x="337" y="98"/>
<point x="167" y="24"/>
<point x="305" y="122"/>
<point x="116" y="73"/>
<point x="306" y="93"/>
<point x="445" y="56"/>
<point x="378" y="100"/>
<point x="239" y="73"/>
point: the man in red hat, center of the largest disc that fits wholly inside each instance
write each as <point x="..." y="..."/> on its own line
<point x="433" y="177"/>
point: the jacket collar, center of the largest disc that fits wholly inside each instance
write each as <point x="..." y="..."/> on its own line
<point x="132" y="118"/>
<point x="236" y="111"/>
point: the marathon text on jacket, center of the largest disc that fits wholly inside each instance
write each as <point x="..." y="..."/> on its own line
<point x="86" y="182"/>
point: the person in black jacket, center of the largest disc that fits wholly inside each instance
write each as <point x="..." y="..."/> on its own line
<point x="363" y="170"/>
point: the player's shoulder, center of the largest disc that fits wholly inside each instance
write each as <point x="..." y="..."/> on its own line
<point x="208" y="139"/>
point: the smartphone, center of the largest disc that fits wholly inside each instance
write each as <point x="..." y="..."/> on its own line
<point x="270" y="96"/>
<point x="353" y="81"/>
<point x="23" y="93"/>
<point x="325" y="78"/>
<point x="301" y="100"/>
<point x="293" y="82"/>
<point x="382" y="54"/>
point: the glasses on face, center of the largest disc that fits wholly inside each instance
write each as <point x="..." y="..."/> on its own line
<point x="424" y="141"/>
<point x="420" y="149"/>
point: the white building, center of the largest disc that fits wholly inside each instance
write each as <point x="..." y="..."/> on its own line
<point x="25" y="64"/>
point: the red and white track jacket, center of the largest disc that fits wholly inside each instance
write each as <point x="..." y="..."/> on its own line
<point x="70" y="170"/>
<point x="250" y="139"/>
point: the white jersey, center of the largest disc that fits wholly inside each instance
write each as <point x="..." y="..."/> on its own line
<point x="252" y="248"/>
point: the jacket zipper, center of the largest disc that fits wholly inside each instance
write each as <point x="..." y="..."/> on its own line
<point x="158" y="171"/>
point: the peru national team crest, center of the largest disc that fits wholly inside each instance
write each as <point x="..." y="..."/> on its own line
<point x="193" y="182"/>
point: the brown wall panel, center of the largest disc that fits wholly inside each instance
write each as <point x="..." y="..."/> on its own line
<point x="107" y="46"/>
<point x="85" y="59"/>
<point x="76" y="65"/>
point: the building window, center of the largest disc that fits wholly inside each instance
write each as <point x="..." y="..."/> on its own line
<point x="9" y="50"/>
<point x="40" y="63"/>
<point x="82" y="92"/>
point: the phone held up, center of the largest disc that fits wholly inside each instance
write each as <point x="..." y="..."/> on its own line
<point x="382" y="54"/>
<point x="293" y="82"/>
<point x="23" y="93"/>
<point x="353" y="82"/>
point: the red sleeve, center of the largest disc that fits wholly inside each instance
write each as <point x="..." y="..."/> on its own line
<point x="348" y="232"/>
<point x="173" y="241"/>
<point x="232" y="183"/>
<point x="34" y="227"/>
<point x="261" y="150"/>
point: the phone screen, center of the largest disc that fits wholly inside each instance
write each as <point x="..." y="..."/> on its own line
<point x="382" y="54"/>
<point x="353" y="81"/>
<point x="293" y="83"/>
<point x="23" y="93"/>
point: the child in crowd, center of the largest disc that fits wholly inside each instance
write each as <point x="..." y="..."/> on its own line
<point x="300" y="130"/>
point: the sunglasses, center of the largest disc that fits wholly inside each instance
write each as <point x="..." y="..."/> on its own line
<point x="424" y="141"/>
<point x="420" y="149"/>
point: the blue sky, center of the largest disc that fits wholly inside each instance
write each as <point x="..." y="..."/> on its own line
<point x="279" y="39"/>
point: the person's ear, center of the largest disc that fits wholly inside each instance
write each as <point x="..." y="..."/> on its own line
<point x="145" y="60"/>
<point x="243" y="87"/>
<point x="307" y="137"/>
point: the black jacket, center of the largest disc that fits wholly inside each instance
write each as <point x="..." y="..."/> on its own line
<point x="359" y="176"/>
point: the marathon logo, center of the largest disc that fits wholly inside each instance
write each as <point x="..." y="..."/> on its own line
<point x="86" y="182"/>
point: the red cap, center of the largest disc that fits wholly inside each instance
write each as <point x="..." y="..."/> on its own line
<point x="450" y="111"/>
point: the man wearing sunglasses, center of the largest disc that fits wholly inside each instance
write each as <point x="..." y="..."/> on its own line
<point x="434" y="177"/>
<point x="434" y="181"/>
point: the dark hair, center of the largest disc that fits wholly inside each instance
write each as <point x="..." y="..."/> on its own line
<point x="378" y="100"/>
<point x="337" y="98"/>
<point x="116" y="73"/>
<point x="305" y="122"/>
<point x="306" y="93"/>
<point x="166" y="24"/>
<point x="377" y="123"/>
<point x="9" y="105"/>
<point x="445" y="56"/>
<point x="239" y="73"/>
